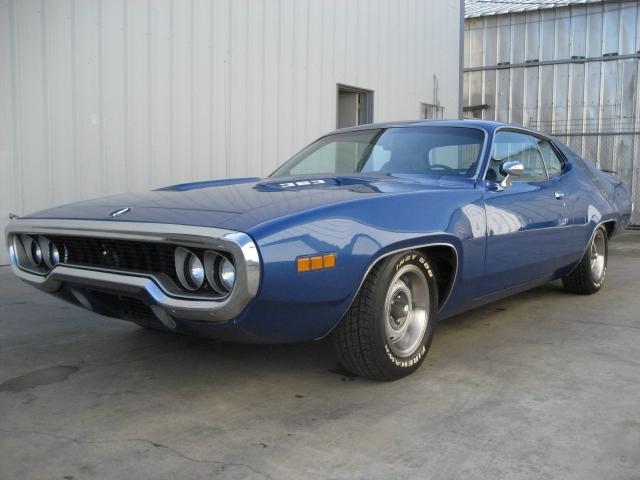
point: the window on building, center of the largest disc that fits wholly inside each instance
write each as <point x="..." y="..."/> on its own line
<point x="474" y="111"/>
<point x="475" y="114"/>
<point x="429" y="111"/>
<point x="355" y="106"/>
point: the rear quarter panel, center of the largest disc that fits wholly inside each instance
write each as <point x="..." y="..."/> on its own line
<point x="601" y="197"/>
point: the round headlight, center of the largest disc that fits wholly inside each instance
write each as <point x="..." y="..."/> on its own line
<point x="227" y="274"/>
<point x="49" y="252"/>
<point x="36" y="253"/>
<point x="189" y="269"/>
<point x="54" y="254"/>
<point x="32" y="250"/>
<point x="196" y="271"/>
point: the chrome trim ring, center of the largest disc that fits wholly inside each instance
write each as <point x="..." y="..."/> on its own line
<point x="182" y="261"/>
<point x="406" y="311"/>
<point x="211" y="271"/>
<point x="179" y="304"/>
<point x="28" y="243"/>
<point x="48" y="252"/>
<point x="597" y="252"/>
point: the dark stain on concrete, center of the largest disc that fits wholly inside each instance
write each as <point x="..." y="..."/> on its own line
<point x="346" y="375"/>
<point x="44" y="376"/>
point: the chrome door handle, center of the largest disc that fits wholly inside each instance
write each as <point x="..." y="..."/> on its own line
<point x="559" y="195"/>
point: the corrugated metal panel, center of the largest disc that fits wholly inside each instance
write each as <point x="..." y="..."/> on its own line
<point x="479" y="8"/>
<point x="575" y="76"/>
<point x="102" y="96"/>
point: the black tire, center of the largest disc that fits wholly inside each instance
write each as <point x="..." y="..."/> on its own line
<point x="582" y="279"/>
<point x="361" y="339"/>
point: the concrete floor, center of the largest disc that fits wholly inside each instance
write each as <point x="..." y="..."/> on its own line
<point x="542" y="385"/>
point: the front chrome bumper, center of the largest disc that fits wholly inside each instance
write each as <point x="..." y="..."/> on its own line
<point x="177" y="304"/>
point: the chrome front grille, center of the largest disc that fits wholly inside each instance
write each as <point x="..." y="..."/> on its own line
<point x="120" y="255"/>
<point x="134" y="259"/>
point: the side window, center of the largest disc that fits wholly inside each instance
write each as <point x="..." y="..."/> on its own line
<point x="513" y="146"/>
<point x="555" y="165"/>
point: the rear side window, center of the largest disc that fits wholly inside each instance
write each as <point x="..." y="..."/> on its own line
<point x="555" y="164"/>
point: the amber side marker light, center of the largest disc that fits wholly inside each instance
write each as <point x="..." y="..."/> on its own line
<point x="316" y="262"/>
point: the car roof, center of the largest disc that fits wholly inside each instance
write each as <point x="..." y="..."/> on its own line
<point x="484" y="124"/>
<point x="488" y="126"/>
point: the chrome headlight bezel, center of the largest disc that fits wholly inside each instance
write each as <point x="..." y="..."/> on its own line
<point x="32" y="250"/>
<point x="33" y="253"/>
<point x="187" y="263"/>
<point x="212" y="263"/>
<point x="50" y="253"/>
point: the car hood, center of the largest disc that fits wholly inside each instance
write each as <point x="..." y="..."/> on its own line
<point x="239" y="204"/>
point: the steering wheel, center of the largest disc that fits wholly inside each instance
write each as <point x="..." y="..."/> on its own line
<point x="436" y="166"/>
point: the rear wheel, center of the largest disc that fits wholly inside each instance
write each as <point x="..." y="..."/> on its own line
<point x="587" y="278"/>
<point x="387" y="331"/>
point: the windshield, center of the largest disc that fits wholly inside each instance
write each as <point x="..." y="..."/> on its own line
<point x="414" y="150"/>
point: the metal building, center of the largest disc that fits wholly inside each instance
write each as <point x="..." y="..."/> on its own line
<point x="567" y="68"/>
<point x="106" y="96"/>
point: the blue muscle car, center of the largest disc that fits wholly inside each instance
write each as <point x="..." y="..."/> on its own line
<point x="369" y="234"/>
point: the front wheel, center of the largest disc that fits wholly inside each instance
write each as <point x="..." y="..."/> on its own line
<point x="587" y="278"/>
<point x="387" y="331"/>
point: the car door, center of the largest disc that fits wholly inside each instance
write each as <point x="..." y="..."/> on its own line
<point x="526" y="220"/>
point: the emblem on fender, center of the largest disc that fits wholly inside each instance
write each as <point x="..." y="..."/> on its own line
<point x="120" y="211"/>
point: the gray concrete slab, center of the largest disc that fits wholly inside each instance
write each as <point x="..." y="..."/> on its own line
<point x="542" y="385"/>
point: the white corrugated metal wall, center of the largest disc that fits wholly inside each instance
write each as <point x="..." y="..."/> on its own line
<point x="106" y="96"/>
<point x="572" y="72"/>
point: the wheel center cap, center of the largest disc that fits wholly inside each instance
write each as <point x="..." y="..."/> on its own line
<point x="400" y="309"/>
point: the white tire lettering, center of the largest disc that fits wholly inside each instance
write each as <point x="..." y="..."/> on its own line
<point x="405" y="363"/>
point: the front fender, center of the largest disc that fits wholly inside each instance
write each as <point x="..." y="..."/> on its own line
<point x="294" y="305"/>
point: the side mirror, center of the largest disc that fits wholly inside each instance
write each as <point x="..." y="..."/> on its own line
<point x="510" y="169"/>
